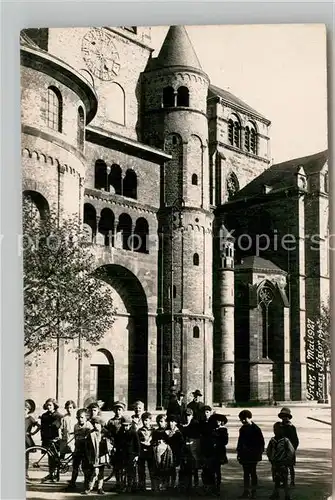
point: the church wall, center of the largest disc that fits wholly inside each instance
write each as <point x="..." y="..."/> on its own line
<point x="132" y="59"/>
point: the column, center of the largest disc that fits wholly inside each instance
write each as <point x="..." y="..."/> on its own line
<point x="152" y="362"/>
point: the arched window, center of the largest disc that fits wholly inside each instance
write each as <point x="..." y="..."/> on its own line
<point x="234" y="131"/>
<point x="55" y="109"/>
<point x="116" y="103"/>
<point x="106" y="226"/>
<point x="194" y="180"/>
<point x="174" y="291"/>
<point x="130" y="184"/>
<point x="183" y="97"/>
<point x="326" y="183"/>
<point x="140" y="237"/>
<point x="100" y="175"/>
<point x="196" y="332"/>
<point x="115" y="179"/>
<point x="35" y="206"/>
<point x="232" y="185"/>
<point x="125" y="227"/>
<point x="90" y="218"/>
<point x="168" y="97"/>
<point x="81" y="128"/>
<point x="196" y="259"/>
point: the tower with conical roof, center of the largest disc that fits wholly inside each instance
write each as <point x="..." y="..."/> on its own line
<point x="174" y="91"/>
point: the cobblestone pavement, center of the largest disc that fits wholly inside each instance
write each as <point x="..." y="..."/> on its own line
<point x="313" y="469"/>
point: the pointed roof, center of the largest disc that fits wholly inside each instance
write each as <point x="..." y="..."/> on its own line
<point x="177" y="50"/>
<point x="235" y="101"/>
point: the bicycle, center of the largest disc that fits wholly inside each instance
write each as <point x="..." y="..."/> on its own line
<point x="37" y="462"/>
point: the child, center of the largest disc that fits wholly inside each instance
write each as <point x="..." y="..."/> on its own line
<point x="50" y="425"/>
<point x="206" y="446"/>
<point x="219" y="453"/>
<point x="290" y="432"/>
<point x="113" y="427"/>
<point x="175" y="441"/>
<point x="30" y="423"/>
<point x="127" y="446"/>
<point x="250" y="447"/>
<point x="83" y="450"/>
<point x="67" y="429"/>
<point x="136" y="417"/>
<point x="281" y="455"/>
<point x="162" y="461"/>
<point x="101" y="450"/>
<point x="189" y="464"/>
<point x="146" y="456"/>
<point x="161" y="425"/>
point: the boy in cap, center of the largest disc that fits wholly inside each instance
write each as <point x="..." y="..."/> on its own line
<point x="196" y="405"/>
<point x="290" y="432"/>
<point x="281" y="455"/>
<point x="112" y="429"/>
<point x="175" y="441"/>
<point x="250" y="447"/>
<point x="127" y="446"/>
<point x="206" y="427"/>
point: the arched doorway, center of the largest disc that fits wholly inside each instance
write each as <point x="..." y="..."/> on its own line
<point x="102" y="377"/>
<point x="129" y="333"/>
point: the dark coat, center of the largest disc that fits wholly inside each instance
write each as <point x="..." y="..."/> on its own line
<point x="206" y="428"/>
<point x="127" y="446"/>
<point x="290" y="432"/>
<point x="30" y="422"/>
<point x="220" y="440"/>
<point x="177" y="409"/>
<point x="250" y="445"/>
<point x="50" y="425"/>
<point x="175" y="440"/>
<point x="198" y="409"/>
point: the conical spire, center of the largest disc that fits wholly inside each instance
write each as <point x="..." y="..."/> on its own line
<point x="177" y="50"/>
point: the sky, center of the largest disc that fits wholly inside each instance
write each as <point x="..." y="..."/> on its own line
<point x="279" y="70"/>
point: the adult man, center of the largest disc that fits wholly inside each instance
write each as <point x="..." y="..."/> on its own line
<point x="196" y="405"/>
<point x="176" y="406"/>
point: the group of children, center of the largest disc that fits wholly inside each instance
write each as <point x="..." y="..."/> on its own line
<point x="173" y="451"/>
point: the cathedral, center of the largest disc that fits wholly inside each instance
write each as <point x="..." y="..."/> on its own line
<point x="217" y="258"/>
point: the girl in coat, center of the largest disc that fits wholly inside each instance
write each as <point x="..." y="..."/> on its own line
<point x="250" y="447"/>
<point x="50" y="434"/>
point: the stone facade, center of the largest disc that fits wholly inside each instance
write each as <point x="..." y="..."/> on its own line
<point x="147" y="152"/>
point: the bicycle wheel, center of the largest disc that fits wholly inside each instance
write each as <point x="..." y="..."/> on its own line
<point x="37" y="463"/>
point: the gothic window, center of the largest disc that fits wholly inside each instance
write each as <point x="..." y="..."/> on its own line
<point x="265" y="298"/>
<point x="130" y="184"/>
<point x="115" y="179"/>
<point x="100" y="175"/>
<point x="194" y="180"/>
<point x="55" y="109"/>
<point x="81" y="128"/>
<point x="232" y="185"/>
<point x="196" y="259"/>
<point x="234" y="131"/>
<point x="196" y="332"/>
<point x="183" y="97"/>
<point x="168" y="97"/>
